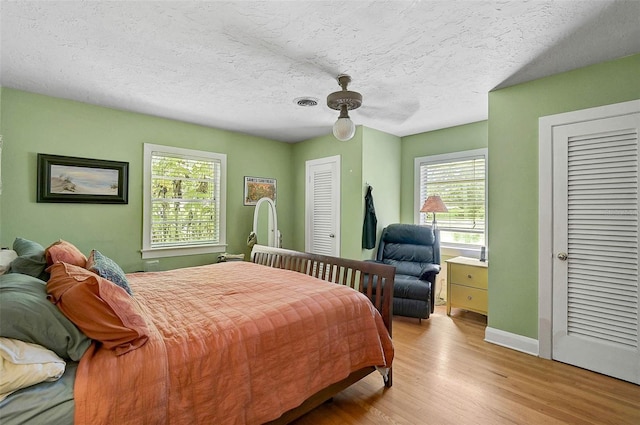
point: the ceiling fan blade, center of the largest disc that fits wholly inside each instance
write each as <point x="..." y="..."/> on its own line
<point x="394" y="112"/>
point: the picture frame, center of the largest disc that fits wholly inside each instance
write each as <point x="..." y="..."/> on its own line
<point x="256" y="188"/>
<point x="81" y="180"/>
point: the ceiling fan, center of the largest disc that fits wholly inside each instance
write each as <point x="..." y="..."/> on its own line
<point x="344" y="100"/>
<point x="390" y="108"/>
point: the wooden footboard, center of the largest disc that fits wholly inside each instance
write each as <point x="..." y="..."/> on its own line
<point x="353" y="273"/>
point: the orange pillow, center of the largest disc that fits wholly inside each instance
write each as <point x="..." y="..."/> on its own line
<point x="101" y="309"/>
<point x="64" y="252"/>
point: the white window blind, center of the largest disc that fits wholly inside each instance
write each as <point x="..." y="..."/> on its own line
<point x="185" y="191"/>
<point x="460" y="181"/>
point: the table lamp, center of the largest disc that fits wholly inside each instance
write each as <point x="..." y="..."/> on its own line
<point x="433" y="204"/>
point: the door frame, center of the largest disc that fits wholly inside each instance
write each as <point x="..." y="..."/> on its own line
<point x="333" y="160"/>
<point x="546" y="228"/>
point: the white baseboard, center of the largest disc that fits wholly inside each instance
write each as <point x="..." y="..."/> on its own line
<point x="510" y="340"/>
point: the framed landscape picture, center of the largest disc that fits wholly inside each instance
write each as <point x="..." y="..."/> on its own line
<point x="84" y="180"/>
<point x="256" y="188"/>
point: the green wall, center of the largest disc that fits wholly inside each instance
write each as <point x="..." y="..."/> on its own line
<point x="34" y="124"/>
<point x="513" y="178"/>
<point x="372" y="157"/>
<point x="453" y="139"/>
<point x="1" y="174"/>
<point x="381" y="154"/>
<point x="350" y="179"/>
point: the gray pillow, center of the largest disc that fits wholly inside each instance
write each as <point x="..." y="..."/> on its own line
<point x="26" y="314"/>
<point x="31" y="259"/>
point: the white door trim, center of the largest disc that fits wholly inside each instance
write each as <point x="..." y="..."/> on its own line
<point x="545" y="207"/>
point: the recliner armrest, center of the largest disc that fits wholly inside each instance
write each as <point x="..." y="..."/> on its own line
<point x="429" y="271"/>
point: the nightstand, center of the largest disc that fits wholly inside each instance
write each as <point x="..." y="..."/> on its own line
<point x="467" y="284"/>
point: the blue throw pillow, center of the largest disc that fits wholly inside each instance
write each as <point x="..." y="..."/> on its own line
<point x="106" y="268"/>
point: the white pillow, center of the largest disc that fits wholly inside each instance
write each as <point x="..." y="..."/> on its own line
<point x="23" y="364"/>
<point x="6" y="257"/>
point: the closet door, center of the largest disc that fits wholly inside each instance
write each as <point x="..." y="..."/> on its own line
<point x="322" y="211"/>
<point x="595" y="246"/>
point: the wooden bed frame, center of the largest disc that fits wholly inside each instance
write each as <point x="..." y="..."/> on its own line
<point x="342" y="271"/>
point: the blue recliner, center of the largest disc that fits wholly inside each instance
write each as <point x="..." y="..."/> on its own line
<point x="414" y="250"/>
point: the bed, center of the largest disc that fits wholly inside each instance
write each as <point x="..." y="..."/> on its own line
<point x="231" y="343"/>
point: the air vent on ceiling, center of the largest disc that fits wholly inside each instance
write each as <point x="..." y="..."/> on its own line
<point x="306" y="101"/>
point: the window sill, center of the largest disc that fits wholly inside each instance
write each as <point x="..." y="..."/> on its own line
<point x="172" y="251"/>
<point x="459" y="251"/>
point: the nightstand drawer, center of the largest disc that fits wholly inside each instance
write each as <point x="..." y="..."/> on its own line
<point x="469" y="298"/>
<point x="463" y="274"/>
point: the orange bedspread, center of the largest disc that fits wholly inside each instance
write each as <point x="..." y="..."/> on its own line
<point x="231" y="343"/>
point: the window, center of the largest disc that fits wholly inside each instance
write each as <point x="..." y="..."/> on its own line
<point x="184" y="203"/>
<point x="459" y="179"/>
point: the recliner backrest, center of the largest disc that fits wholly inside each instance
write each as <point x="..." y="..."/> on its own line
<point x="409" y="247"/>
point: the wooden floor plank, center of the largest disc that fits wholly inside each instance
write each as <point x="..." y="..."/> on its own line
<point x="445" y="373"/>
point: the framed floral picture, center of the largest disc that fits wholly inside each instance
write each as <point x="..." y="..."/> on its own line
<point x="256" y="188"/>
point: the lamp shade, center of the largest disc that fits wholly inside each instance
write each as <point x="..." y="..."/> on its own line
<point x="344" y="129"/>
<point x="434" y="204"/>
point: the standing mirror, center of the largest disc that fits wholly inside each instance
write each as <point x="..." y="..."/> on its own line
<point x="265" y="223"/>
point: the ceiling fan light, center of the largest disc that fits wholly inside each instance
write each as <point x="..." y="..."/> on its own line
<point x="344" y="129"/>
<point x="344" y="100"/>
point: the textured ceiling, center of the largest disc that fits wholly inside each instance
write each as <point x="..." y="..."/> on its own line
<point x="239" y="65"/>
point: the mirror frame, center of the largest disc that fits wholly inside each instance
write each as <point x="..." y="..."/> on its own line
<point x="274" y="233"/>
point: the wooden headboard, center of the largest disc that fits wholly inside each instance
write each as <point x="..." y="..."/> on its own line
<point x="353" y="273"/>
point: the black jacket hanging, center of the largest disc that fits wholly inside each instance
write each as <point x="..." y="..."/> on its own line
<point x="370" y="222"/>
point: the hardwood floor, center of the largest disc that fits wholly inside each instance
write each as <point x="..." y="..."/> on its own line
<point x="445" y="373"/>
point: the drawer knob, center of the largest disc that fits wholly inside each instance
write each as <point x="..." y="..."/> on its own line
<point x="469" y="297"/>
<point x="469" y="276"/>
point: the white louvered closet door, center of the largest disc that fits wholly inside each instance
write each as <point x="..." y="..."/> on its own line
<point x="595" y="269"/>
<point x="322" y="230"/>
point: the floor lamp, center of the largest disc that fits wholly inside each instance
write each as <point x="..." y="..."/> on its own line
<point x="434" y="205"/>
